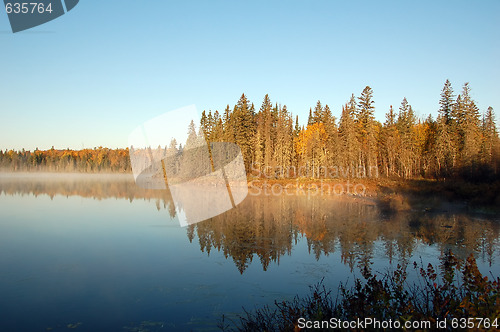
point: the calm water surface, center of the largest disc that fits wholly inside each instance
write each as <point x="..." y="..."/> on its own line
<point x="98" y="253"/>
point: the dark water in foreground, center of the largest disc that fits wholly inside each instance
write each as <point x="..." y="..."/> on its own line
<point x="97" y="253"/>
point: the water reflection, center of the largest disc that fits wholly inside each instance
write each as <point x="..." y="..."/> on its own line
<point x="97" y="186"/>
<point x="268" y="227"/>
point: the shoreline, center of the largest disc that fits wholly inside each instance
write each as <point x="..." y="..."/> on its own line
<point x="40" y="175"/>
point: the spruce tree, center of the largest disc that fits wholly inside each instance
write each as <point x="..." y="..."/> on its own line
<point x="389" y="143"/>
<point x="332" y="144"/>
<point x="228" y="125"/>
<point x="469" y="128"/>
<point x="491" y="143"/>
<point x="243" y="123"/>
<point x="365" y="123"/>
<point x="446" y="102"/>
<point x="284" y="143"/>
<point x="348" y="141"/>
<point x="317" y="115"/>
<point x="405" y="124"/>
<point x="310" y="119"/>
<point x="267" y="130"/>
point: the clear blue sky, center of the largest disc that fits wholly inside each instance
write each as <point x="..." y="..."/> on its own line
<point x="91" y="76"/>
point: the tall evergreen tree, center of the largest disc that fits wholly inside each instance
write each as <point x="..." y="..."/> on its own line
<point x="284" y="140"/>
<point x="228" y="125"/>
<point x="428" y="147"/>
<point x="389" y="144"/>
<point x="445" y="148"/>
<point x="317" y="115"/>
<point x="405" y="124"/>
<point x="446" y="103"/>
<point x="267" y="130"/>
<point x="365" y="122"/>
<point x="296" y="130"/>
<point x="332" y="144"/>
<point x="347" y="135"/>
<point x="259" y="141"/>
<point x="244" y="128"/>
<point x="310" y="118"/>
<point x="469" y="128"/>
<point x="490" y="152"/>
<point x="446" y="151"/>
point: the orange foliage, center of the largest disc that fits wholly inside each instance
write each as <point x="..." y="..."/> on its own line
<point x="314" y="133"/>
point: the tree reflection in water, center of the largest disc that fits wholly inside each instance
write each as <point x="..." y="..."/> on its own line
<point x="268" y="227"/>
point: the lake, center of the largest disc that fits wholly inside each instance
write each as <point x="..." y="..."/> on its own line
<point x="96" y="252"/>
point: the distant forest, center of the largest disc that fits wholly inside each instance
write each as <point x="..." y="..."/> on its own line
<point x="460" y="142"/>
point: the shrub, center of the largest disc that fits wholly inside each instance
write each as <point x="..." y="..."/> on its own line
<point x="460" y="291"/>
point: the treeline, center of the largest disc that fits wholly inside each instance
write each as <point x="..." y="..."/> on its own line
<point x="460" y="142"/>
<point x="86" y="160"/>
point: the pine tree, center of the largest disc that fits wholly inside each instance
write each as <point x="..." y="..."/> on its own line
<point x="317" y="115"/>
<point x="446" y="103"/>
<point x="310" y="119"/>
<point x="296" y="130"/>
<point x="446" y="151"/>
<point x="296" y="133"/>
<point x="204" y="123"/>
<point x="268" y="130"/>
<point x="365" y="123"/>
<point x="445" y="148"/>
<point x="428" y="147"/>
<point x="489" y="125"/>
<point x="389" y="143"/>
<point x="228" y="125"/>
<point x="332" y="144"/>
<point x="210" y="125"/>
<point x="192" y="140"/>
<point x="217" y="131"/>
<point x="469" y="128"/>
<point x="243" y="123"/>
<point x="348" y="141"/>
<point x="489" y="133"/>
<point x="491" y="143"/>
<point x="284" y="142"/>
<point x="405" y="124"/>
<point x="259" y="142"/>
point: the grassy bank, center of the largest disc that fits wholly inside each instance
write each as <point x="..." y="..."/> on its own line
<point x="395" y="194"/>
